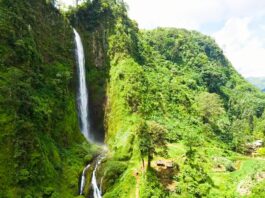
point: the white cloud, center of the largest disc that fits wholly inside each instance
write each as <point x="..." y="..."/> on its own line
<point x="229" y="21"/>
<point x="234" y="32"/>
<point x="190" y="14"/>
<point x="262" y="27"/>
<point x="173" y="13"/>
<point x="242" y="46"/>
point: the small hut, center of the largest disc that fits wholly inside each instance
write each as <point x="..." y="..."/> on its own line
<point x="253" y="146"/>
<point x="160" y="163"/>
<point x="170" y="165"/>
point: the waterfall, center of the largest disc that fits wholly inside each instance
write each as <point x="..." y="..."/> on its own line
<point x="82" y="101"/>
<point x="96" y="190"/>
<point x="82" y="98"/>
<point x="83" y="179"/>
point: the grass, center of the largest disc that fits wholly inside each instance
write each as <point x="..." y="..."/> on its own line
<point x="228" y="181"/>
<point x="225" y="182"/>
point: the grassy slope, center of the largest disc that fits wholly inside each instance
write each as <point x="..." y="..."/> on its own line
<point x="42" y="149"/>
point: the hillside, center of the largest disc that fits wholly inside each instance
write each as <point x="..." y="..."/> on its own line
<point x="174" y="81"/>
<point x="175" y="115"/>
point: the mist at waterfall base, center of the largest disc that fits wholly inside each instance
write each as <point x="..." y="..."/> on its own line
<point x="83" y="113"/>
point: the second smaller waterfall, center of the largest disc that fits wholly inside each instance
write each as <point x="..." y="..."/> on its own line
<point x="96" y="189"/>
<point x="83" y="180"/>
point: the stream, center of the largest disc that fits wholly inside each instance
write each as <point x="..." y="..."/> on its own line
<point x="83" y="180"/>
<point x="95" y="187"/>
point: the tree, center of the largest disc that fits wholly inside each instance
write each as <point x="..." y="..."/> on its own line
<point x="193" y="180"/>
<point x="240" y="132"/>
<point x="210" y="107"/>
<point x="151" y="140"/>
<point x="214" y="77"/>
<point x="193" y="139"/>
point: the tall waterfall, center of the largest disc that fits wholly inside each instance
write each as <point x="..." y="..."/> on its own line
<point x="82" y="99"/>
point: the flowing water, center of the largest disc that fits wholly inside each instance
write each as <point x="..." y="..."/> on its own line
<point x="83" y="113"/>
<point x="96" y="188"/>
<point x="82" y="97"/>
<point x="83" y="180"/>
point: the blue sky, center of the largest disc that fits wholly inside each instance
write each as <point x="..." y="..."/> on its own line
<point x="238" y="26"/>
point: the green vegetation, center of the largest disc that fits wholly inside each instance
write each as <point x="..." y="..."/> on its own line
<point x="151" y="137"/>
<point x="42" y="149"/>
<point x="167" y="95"/>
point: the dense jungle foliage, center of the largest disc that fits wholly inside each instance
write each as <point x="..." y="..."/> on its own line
<point x="42" y="149"/>
<point x="167" y="95"/>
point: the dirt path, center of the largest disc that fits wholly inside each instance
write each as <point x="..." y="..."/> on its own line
<point x="137" y="189"/>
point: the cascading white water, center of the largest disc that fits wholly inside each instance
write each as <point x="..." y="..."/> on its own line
<point x="83" y="180"/>
<point x="96" y="189"/>
<point x="82" y="99"/>
<point x="83" y="114"/>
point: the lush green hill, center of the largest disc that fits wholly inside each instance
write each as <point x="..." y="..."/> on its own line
<point x="176" y="82"/>
<point x="167" y="89"/>
<point x="198" y="58"/>
<point x="166" y="94"/>
<point x="195" y="96"/>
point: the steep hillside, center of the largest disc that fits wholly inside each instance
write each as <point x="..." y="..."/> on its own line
<point x="167" y="94"/>
<point x="185" y="88"/>
<point x="198" y="58"/>
<point x="100" y="23"/>
<point x="42" y="150"/>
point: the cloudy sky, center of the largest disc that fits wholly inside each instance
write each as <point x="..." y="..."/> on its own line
<point x="238" y="26"/>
